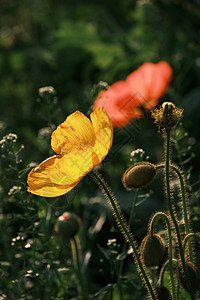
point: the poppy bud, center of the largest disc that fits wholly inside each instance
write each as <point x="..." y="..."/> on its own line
<point x="193" y="276"/>
<point x="163" y="293"/>
<point x="139" y="175"/>
<point x="167" y="116"/>
<point x="67" y="225"/>
<point x="152" y="250"/>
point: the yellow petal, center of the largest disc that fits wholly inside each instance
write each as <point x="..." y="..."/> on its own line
<point x="82" y="145"/>
<point x="50" y="191"/>
<point x="75" y="132"/>
<point x="39" y="180"/>
<point x="73" y="166"/>
<point x="103" y="130"/>
<point x="59" y="174"/>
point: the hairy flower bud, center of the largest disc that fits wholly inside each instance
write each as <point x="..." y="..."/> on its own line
<point x="167" y="116"/>
<point x="193" y="275"/>
<point x="163" y="293"/>
<point x="67" y="225"/>
<point x="152" y="250"/>
<point x="139" y="175"/>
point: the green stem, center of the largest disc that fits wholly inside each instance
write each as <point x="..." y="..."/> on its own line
<point x="183" y="168"/>
<point x="167" y="165"/>
<point x="184" y="205"/>
<point x="125" y="230"/>
<point x="162" y="272"/>
<point x="153" y="221"/>
<point x="189" y="236"/>
<point x="76" y="258"/>
<point x="124" y="245"/>
<point x="187" y="228"/>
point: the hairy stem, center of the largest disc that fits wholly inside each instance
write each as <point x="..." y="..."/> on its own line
<point x="170" y="207"/>
<point x="162" y="272"/>
<point x="189" y="236"/>
<point x="184" y="205"/>
<point x="125" y="230"/>
<point x="170" y="262"/>
<point x="124" y="245"/>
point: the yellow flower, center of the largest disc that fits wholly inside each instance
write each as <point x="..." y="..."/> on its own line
<point x="80" y="145"/>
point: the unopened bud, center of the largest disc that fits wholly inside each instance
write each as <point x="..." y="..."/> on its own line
<point x="139" y="175"/>
<point x="192" y="274"/>
<point x="152" y="250"/>
<point x="67" y="225"/>
<point x="167" y="116"/>
<point x="163" y="293"/>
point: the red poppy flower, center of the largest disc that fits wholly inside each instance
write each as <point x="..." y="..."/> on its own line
<point x="142" y="88"/>
<point x="116" y="100"/>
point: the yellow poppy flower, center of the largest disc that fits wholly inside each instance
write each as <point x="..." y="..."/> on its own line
<point x="80" y="145"/>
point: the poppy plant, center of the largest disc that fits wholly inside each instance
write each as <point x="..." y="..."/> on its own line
<point x="80" y="145"/>
<point x="142" y="89"/>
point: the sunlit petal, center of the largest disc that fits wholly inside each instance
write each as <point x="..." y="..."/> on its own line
<point x="59" y="174"/>
<point x="51" y="190"/>
<point x="82" y="145"/>
<point x="40" y="181"/>
<point x="103" y="131"/>
<point x="76" y="131"/>
<point x="73" y="166"/>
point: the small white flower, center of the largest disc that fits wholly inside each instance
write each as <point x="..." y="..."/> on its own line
<point x="32" y="164"/>
<point x="44" y="132"/>
<point x="11" y="137"/>
<point x="46" y="90"/>
<point x="15" y="189"/>
<point x="27" y="246"/>
<point x="136" y="152"/>
<point x="103" y="84"/>
<point x="111" y="242"/>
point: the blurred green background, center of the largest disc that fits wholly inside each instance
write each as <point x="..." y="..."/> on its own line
<point x="72" y="46"/>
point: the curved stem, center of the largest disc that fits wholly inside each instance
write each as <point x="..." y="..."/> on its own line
<point x="162" y="272"/>
<point x="183" y="167"/>
<point x="187" y="228"/>
<point x="184" y="204"/>
<point x="167" y="161"/>
<point x="188" y="236"/>
<point x="152" y="223"/>
<point x="125" y="230"/>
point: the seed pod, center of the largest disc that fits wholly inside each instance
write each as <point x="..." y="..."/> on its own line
<point x="163" y="293"/>
<point x="152" y="250"/>
<point x="193" y="276"/>
<point x="67" y="225"/>
<point x="139" y="175"/>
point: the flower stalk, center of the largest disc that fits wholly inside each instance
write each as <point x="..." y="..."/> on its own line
<point x="184" y="204"/>
<point x="162" y="272"/>
<point x="76" y="255"/>
<point x="188" y="237"/>
<point x="170" y="261"/>
<point x="125" y="230"/>
<point x="124" y="245"/>
<point x="170" y="207"/>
